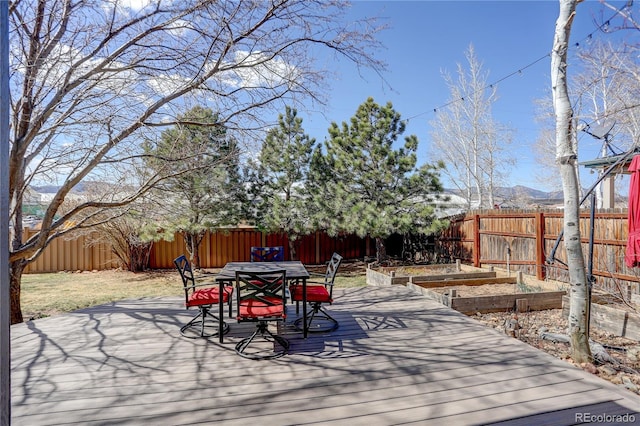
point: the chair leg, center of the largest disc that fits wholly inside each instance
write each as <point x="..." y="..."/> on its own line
<point x="323" y="323"/>
<point x="200" y="322"/>
<point x="262" y="331"/>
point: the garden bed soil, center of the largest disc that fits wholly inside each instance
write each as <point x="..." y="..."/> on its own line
<point x="425" y="270"/>
<point x="400" y="275"/>
<point x="479" y="290"/>
<point x="491" y="298"/>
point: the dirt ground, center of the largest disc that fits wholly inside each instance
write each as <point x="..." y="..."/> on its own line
<point x="405" y="271"/>
<point x="481" y="290"/>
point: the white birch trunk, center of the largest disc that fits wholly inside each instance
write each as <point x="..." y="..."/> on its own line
<point x="566" y="157"/>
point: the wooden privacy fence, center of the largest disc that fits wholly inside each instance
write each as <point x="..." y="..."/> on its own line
<point x="524" y="240"/>
<point x="77" y="253"/>
<point x="218" y="248"/>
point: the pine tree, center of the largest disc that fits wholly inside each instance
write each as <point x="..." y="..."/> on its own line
<point x="205" y="191"/>
<point x="279" y="179"/>
<point x="362" y="185"/>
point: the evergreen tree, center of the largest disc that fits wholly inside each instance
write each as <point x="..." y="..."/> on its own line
<point x="362" y="185"/>
<point x="205" y="191"/>
<point x="279" y="179"/>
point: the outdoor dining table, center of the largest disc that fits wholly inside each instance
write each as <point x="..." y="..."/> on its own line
<point x="295" y="272"/>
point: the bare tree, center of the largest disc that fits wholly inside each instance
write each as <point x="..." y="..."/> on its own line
<point x="545" y="145"/>
<point x="566" y="156"/>
<point x="123" y="235"/>
<point x="605" y="90"/>
<point x="90" y="80"/>
<point x="608" y="88"/>
<point x="467" y="138"/>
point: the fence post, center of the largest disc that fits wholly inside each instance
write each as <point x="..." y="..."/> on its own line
<point x="476" y="240"/>
<point x="317" y="247"/>
<point x="540" y="258"/>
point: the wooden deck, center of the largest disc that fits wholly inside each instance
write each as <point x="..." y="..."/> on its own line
<point x="397" y="358"/>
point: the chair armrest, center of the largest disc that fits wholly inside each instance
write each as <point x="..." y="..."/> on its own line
<point x="202" y="273"/>
<point x="204" y="283"/>
<point x="315" y="282"/>
<point x="199" y="285"/>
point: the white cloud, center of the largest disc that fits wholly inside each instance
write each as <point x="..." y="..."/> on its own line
<point x="134" y="4"/>
<point x="258" y="70"/>
<point x="166" y="84"/>
<point x="179" y="27"/>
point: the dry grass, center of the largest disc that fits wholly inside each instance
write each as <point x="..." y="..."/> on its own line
<point x="44" y="295"/>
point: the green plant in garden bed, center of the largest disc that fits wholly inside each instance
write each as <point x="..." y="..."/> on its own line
<point x="528" y="288"/>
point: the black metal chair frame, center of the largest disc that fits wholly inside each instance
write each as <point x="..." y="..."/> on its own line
<point x="266" y="289"/>
<point x="317" y="311"/>
<point x="190" y="287"/>
<point x="267" y="254"/>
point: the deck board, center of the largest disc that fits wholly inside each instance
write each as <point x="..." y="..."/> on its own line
<point x="397" y="358"/>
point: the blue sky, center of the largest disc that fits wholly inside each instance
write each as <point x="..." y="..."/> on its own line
<point x="427" y="37"/>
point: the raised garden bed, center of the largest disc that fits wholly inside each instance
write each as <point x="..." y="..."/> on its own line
<point x="402" y="275"/>
<point x="610" y="318"/>
<point x="468" y="290"/>
<point x="498" y="297"/>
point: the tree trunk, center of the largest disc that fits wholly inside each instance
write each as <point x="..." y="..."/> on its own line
<point x="16" y="269"/>
<point x="139" y="254"/>
<point x="293" y="255"/>
<point x="381" y="251"/>
<point x="567" y="158"/>
<point x="192" y="242"/>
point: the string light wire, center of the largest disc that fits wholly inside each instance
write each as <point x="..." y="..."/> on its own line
<point x="604" y="27"/>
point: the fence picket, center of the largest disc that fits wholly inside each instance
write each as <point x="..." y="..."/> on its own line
<point x="73" y="253"/>
<point x="526" y="238"/>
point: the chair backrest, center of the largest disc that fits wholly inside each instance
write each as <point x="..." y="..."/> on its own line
<point x="263" y="291"/>
<point x="332" y="270"/>
<point x="186" y="274"/>
<point x="267" y="254"/>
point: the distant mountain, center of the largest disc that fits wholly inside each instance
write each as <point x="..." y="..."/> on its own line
<point x="46" y="189"/>
<point x="52" y="189"/>
<point x="524" y="191"/>
<point x="518" y="191"/>
<point x="518" y="196"/>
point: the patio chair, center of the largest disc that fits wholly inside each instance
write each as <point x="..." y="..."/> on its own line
<point x="267" y="254"/>
<point x="205" y="297"/>
<point x="260" y="299"/>
<point x="318" y="292"/>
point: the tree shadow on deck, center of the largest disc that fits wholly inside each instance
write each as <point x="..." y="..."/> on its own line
<point x="396" y="357"/>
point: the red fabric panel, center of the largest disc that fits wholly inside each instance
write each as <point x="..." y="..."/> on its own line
<point x="315" y="293"/>
<point x="632" y="254"/>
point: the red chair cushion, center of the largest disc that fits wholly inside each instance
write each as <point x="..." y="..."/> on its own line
<point x="208" y="296"/>
<point x="254" y="308"/>
<point x="315" y="293"/>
